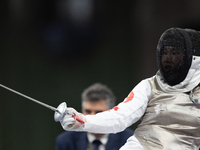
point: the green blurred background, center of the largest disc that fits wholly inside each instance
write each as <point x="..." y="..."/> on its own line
<point x="52" y="50"/>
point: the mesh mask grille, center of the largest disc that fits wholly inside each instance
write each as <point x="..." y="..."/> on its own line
<point x="174" y="55"/>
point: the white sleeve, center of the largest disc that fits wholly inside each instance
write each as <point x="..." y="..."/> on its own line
<point x="122" y="116"/>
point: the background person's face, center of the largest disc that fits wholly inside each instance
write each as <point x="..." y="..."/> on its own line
<point x="92" y="108"/>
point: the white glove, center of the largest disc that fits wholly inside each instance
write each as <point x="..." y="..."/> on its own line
<point x="69" y="118"/>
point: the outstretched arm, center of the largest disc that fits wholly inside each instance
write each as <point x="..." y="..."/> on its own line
<point x="117" y="119"/>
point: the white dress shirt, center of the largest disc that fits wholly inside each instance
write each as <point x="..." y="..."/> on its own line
<point x="103" y="140"/>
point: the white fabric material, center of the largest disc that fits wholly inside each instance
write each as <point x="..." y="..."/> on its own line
<point x="132" y="144"/>
<point x="191" y="81"/>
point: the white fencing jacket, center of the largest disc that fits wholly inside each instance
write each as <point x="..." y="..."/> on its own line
<point x="133" y="107"/>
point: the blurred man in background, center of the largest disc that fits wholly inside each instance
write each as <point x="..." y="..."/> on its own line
<point x="96" y="98"/>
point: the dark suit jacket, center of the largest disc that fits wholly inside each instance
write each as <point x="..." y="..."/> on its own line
<point x="78" y="140"/>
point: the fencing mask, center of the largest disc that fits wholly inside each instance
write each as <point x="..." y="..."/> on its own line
<point x="174" y="53"/>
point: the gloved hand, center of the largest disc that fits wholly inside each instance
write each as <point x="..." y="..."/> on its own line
<point x="69" y="118"/>
<point x="72" y="120"/>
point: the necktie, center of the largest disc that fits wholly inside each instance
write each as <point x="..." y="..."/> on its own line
<point x="96" y="144"/>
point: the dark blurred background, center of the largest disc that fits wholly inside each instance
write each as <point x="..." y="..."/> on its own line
<point x="52" y="50"/>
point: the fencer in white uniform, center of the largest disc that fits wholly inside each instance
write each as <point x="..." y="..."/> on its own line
<point x="168" y="103"/>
